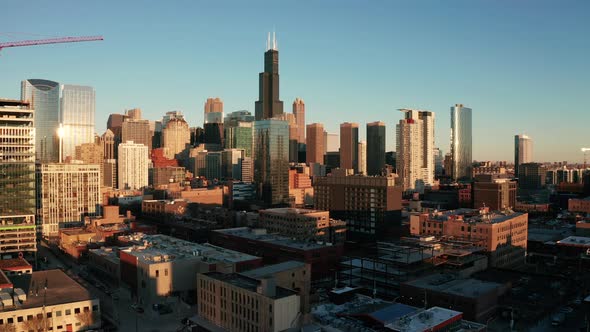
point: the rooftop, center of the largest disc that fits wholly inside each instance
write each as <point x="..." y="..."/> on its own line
<point x="60" y="289"/>
<point x="474" y="215"/>
<point x="292" y="211"/>
<point x="426" y="320"/>
<point x="162" y="248"/>
<point x="261" y="235"/>
<point x="447" y="283"/>
<point x="577" y="241"/>
<point x="272" y="269"/>
<point x="14" y="264"/>
<point x="248" y="283"/>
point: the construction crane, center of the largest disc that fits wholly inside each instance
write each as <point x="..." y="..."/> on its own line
<point x="585" y="152"/>
<point x="49" y="41"/>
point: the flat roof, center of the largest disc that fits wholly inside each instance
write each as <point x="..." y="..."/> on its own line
<point x="425" y="320"/>
<point x="14" y="264"/>
<point x="61" y="289"/>
<point x="262" y="236"/>
<point x="447" y="283"/>
<point x="292" y="211"/>
<point x="248" y="283"/>
<point x="159" y="248"/>
<point x="272" y="269"/>
<point x="473" y="215"/>
<point x="577" y="241"/>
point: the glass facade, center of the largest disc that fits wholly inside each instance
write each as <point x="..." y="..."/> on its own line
<point x="17" y="178"/>
<point x="240" y="137"/>
<point x="43" y="95"/>
<point x="271" y="164"/>
<point x="77" y="116"/>
<point x="461" y="145"/>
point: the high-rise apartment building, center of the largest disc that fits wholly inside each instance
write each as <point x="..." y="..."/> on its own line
<point x="315" y="143"/>
<point x="271" y="160"/>
<point x="44" y="97"/>
<point x="299" y="112"/>
<point x="176" y="135"/>
<point x="138" y="131"/>
<point x="375" y="147"/>
<point x="91" y="153"/>
<point x="269" y="105"/>
<point x="461" y="142"/>
<point x="133" y="166"/>
<point x="523" y="152"/>
<point x="17" y="184"/>
<point x="362" y="158"/>
<point x="371" y="206"/>
<point x="68" y="192"/>
<point x="415" y="146"/>
<point x="349" y="139"/>
<point x="77" y="109"/>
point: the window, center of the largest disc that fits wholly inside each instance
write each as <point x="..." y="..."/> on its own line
<point x="68" y="312"/>
<point x="157" y="273"/>
<point x="77" y="310"/>
<point x="49" y="315"/>
<point x="95" y="307"/>
<point x="19" y="319"/>
<point x="30" y="317"/>
<point x="86" y="309"/>
<point x="10" y="321"/>
<point x="58" y="313"/>
<point x="166" y="272"/>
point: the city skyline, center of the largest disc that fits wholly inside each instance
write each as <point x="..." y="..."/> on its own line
<point x="493" y="65"/>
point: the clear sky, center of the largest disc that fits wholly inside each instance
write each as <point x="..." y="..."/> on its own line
<point x="522" y="66"/>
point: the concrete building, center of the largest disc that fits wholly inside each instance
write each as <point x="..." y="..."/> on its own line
<point x="581" y="205"/>
<point x="523" y="152"/>
<point x="247" y="169"/>
<point x="300" y="188"/>
<point x="315" y="143"/>
<point x="158" y="266"/>
<point x="238" y="303"/>
<point x="230" y="163"/>
<point x="299" y="113"/>
<point x="323" y="258"/>
<point x="133" y="166"/>
<point x="214" y="105"/>
<point x="137" y="131"/>
<point x="159" y="176"/>
<point x="15" y="267"/>
<point x="502" y="234"/>
<point x="92" y="153"/>
<point x="415" y="146"/>
<point x="176" y="135"/>
<point x="493" y="192"/>
<point x="47" y="301"/>
<point x="349" y="139"/>
<point x="67" y="193"/>
<point x="461" y="142"/>
<point x="271" y="160"/>
<point x="109" y="167"/>
<point x="371" y="206"/>
<point x="375" y="147"/>
<point x="362" y="158"/>
<point x="531" y="176"/>
<point x="332" y="142"/>
<point x="108" y="143"/>
<point x="18" y="186"/>
<point x="303" y="224"/>
<point x="213" y="165"/>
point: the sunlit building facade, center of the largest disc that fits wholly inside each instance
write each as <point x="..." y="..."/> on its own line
<point x="461" y="142"/>
<point x="271" y="160"/>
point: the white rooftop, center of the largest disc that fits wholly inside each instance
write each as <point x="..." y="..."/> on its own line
<point x="425" y="320"/>
<point x="578" y="241"/>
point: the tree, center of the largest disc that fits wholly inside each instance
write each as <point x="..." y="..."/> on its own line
<point x="7" y="328"/>
<point x="37" y="323"/>
<point x="87" y="319"/>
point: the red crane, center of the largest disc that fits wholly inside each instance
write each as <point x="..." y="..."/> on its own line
<point x="49" y="41"/>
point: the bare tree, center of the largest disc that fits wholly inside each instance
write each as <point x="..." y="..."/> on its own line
<point x="87" y="318"/>
<point x="7" y="328"/>
<point x="37" y="323"/>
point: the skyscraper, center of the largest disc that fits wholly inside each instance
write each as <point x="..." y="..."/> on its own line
<point x="268" y="105"/>
<point x="299" y="112"/>
<point x="68" y="192"/>
<point x="349" y="139"/>
<point x="375" y="147"/>
<point x="133" y="165"/>
<point x="362" y="158"/>
<point x="271" y="162"/>
<point x="415" y="146"/>
<point x="43" y="95"/>
<point x="17" y="181"/>
<point x="138" y="131"/>
<point x="239" y="137"/>
<point x="214" y="105"/>
<point x="77" y="109"/>
<point x="108" y="144"/>
<point x="176" y="135"/>
<point x="293" y="133"/>
<point x="461" y="147"/>
<point x="315" y="143"/>
<point x="523" y="152"/>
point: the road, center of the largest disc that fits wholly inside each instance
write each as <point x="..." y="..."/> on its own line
<point x="115" y="302"/>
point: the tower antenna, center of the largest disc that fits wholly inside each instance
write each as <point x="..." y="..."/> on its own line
<point x="268" y="42"/>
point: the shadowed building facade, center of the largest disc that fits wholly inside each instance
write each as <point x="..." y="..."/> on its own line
<point x="375" y="147"/>
<point x="349" y="139"/>
<point x="271" y="160"/>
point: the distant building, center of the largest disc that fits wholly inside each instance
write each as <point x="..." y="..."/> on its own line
<point x="531" y="176"/>
<point x="214" y="105"/>
<point x="300" y="188"/>
<point x="415" y="146"/>
<point x="271" y="161"/>
<point x="17" y="184"/>
<point x="502" y="234"/>
<point x="231" y="165"/>
<point x="349" y="139"/>
<point x="214" y="136"/>
<point x="267" y="308"/>
<point x="495" y="193"/>
<point x="315" y="143"/>
<point x="47" y="300"/>
<point x="371" y="206"/>
<point x="269" y="105"/>
<point x="108" y="142"/>
<point x="523" y="152"/>
<point x="579" y="205"/>
<point x="44" y="97"/>
<point x="303" y="224"/>
<point x="332" y="143"/>
<point x="58" y="184"/>
<point x="362" y="158"/>
<point x="133" y="166"/>
<point x="165" y="175"/>
<point x="239" y="137"/>
<point x="213" y="165"/>
<point x="176" y="136"/>
<point x="375" y="147"/>
<point x="299" y="113"/>
<point x="461" y="142"/>
<point x="137" y="131"/>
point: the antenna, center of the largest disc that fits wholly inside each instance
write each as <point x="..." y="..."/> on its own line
<point x="268" y="42"/>
<point x="274" y="41"/>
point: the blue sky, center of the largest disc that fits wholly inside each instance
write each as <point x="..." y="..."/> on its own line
<point x="522" y="66"/>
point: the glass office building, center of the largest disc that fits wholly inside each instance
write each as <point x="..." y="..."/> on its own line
<point x="461" y="146"/>
<point x="271" y="161"/>
<point x="77" y="116"/>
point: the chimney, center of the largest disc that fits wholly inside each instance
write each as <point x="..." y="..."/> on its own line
<point x="267" y="287"/>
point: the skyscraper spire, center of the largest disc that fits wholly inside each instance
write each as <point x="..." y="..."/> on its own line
<point x="274" y="41"/>
<point x="268" y="42"/>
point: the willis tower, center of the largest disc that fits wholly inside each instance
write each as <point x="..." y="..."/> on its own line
<point x="268" y="105"/>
